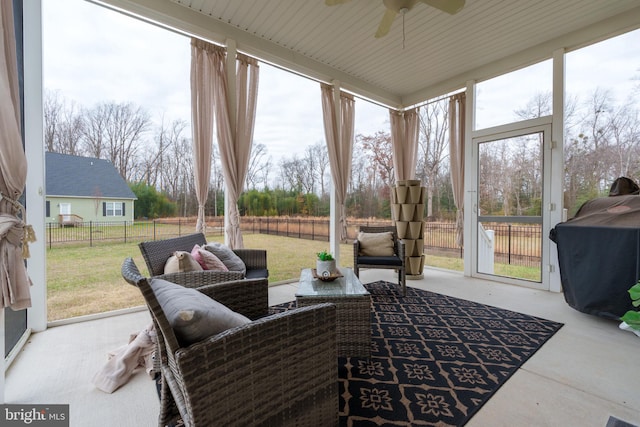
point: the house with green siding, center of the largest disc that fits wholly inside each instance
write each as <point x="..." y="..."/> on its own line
<point x="83" y="189"/>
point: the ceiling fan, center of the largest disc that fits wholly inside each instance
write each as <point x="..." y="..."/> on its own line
<point x="395" y="7"/>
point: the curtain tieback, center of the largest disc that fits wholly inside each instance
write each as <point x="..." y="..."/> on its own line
<point x="28" y="235"/>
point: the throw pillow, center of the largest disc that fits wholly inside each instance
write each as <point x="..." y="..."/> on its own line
<point x="227" y="256"/>
<point x="195" y="253"/>
<point x="180" y="262"/>
<point x="376" y="244"/>
<point x="193" y="315"/>
<point x="211" y="261"/>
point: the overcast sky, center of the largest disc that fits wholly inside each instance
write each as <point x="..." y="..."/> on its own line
<point x="87" y="61"/>
<point x="92" y="55"/>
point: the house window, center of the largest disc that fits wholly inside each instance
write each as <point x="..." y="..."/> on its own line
<point x="113" y="209"/>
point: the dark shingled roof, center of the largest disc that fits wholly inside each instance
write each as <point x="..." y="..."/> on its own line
<point x="84" y="177"/>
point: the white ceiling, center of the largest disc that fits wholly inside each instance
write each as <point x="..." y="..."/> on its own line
<point x="441" y="52"/>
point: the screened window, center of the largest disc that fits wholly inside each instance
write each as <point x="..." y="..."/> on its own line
<point x="520" y="95"/>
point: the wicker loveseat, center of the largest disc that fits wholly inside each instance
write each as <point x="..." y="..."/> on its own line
<point x="276" y="370"/>
<point x="156" y="253"/>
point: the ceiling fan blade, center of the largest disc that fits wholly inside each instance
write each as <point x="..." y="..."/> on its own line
<point x="450" y="6"/>
<point x="334" y="2"/>
<point x="385" y="24"/>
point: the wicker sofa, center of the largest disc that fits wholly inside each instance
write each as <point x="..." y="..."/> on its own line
<point x="156" y="253"/>
<point x="276" y="370"/>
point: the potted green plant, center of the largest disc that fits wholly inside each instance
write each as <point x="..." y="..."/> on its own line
<point x="325" y="264"/>
<point x="631" y="319"/>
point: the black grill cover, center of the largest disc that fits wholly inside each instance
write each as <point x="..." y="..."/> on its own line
<point x="599" y="255"/>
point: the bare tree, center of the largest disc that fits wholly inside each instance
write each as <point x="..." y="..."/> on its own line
<point x="492" y="185"/>
<point x="293" y="174"/>
<point x="178" y="175"/>
<point x="320" y="165"/>
<point x="625" y="142"/>
<point x="433" y="146"/>
<point x="52" y="117"/>
<point x="309" y="170"/>
<point x="377" y="149"/>
<point x="71" y="131"/>
<point x="179" y="156"/>
<point x="62" y="125"/>
<point x="538" y="106"/>
<point x="114" y="132"/>
<point x="259" y="165"/>
<point x="124" y="133"/>
<point x="94" y="129"/>
<point x="152" y="164"/>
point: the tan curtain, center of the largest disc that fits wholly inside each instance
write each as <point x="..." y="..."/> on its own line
<point x="235" y="144"/>
<point x="404" y="142"/>
<point x="456" y="156"/>
<point x="205" y="58"/>
<point x="339" y="135"/>
<point x="14" y="234"/>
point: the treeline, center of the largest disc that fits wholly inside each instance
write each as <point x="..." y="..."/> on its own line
<point x="602" y="142"/>
<point x="156" y="159"/>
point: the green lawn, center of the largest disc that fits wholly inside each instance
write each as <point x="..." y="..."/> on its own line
<point x="85" y="280"/>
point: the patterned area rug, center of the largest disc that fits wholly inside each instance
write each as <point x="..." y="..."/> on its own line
<point x="435" y="359"/>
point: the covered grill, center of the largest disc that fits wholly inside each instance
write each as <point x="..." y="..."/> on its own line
<point x="599" y="252"/>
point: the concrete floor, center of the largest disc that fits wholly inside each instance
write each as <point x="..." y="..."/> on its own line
<point x="586" y="373"/>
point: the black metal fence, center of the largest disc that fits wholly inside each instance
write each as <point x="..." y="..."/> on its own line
<point x="514" y="244"/>
<point x="95" y="232"/>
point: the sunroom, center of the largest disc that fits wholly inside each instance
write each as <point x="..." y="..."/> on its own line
<point x="427" y="54"/>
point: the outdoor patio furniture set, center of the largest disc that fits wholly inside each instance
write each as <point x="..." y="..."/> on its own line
<point x="224" y="360"/>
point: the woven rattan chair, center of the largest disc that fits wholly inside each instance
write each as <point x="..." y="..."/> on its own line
<point x="156" y="253"/>
<point x="277" y="370"/>
<point x="396" y="262"/>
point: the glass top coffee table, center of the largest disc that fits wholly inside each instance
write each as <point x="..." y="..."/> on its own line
<point x="353" y="308"/>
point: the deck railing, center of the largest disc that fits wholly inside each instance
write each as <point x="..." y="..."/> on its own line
<point x="72" y="220"/>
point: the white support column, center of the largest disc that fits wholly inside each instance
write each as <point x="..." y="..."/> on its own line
<point x="232" y="105"/>
<point x="34" y="150"/>
<point x="557" y="168"/>
<point x="334" y="222"/>
<point x="470" y="183"/>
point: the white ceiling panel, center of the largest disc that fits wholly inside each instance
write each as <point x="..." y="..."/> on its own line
<point x="433" y="53"/>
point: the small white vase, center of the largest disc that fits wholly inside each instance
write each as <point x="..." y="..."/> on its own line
<point x="325" y="268"/>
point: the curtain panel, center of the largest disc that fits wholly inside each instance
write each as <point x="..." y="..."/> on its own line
<point x="339" y="136"/>
<point x="210" y="103"/>
<point x="205" y="59"/>
<point x="235" y="141"/>
<point x="457" y="104"/>
<point x="404" y="142"/>
<point x="14" y="233"/>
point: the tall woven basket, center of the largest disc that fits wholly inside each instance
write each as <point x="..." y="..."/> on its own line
<point x="407" y="207"/>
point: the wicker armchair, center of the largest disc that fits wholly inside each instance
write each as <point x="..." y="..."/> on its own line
<point x="277" y="370"/>
<point x="396" y="262"/>
<point x="156" y="253"/>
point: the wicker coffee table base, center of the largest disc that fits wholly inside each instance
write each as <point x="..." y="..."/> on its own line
<point x="353" y="322"/>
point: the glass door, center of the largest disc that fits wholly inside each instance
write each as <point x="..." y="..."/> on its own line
<point x="510" y="196"/>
